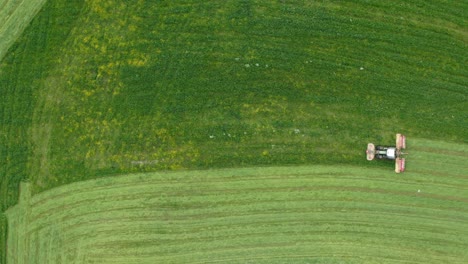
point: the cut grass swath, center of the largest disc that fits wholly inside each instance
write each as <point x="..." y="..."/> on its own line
<point x="15" y="16"/>
<point x="266" y="215"/>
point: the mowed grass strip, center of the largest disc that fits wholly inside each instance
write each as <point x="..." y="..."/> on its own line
<point x="267" y="215"/>
<point x="15" y="16"/>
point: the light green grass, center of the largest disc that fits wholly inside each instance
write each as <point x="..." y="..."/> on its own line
<point x="300" y="214"/>
<point x="15" y="16"/>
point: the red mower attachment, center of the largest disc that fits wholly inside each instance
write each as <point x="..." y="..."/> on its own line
<point x="400" y="141"/>
<point x="399" y="165"/>
<point x="370" y="152"/>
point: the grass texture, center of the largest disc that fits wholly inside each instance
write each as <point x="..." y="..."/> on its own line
<point x="15" y="16"/>
<point x="300" y="214"/>
<point x="100" y="88"/>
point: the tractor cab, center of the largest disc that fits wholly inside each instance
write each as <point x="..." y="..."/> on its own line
<point x="383" y="152"/>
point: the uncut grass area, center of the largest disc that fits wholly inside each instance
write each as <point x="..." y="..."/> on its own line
<point x="103" y="87"/>
<point x="300" y="214"/>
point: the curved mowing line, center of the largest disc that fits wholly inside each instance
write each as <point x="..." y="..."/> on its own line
<point x="105" y="222"/>
<point x="205" y="194"/>
<point x="100" y="224"/>
<point x="324" y="250"/>
<point x="189" y="202"/>
<point x="189" y="212"/>
<point x="167" y="246"/>
<point x="198" y="188"/>
<point x="300" y="230"/>
<point x="206" y="210"/>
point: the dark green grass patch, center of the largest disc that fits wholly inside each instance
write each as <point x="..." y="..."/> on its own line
<point x="21" y="73"/>
<point x="165" y="87"/>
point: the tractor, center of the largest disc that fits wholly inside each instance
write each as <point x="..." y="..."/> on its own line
<point x="389" y="152"/>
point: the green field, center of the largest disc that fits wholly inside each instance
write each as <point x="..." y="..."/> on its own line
<point x="299" y="214"/>
<point x="15" y="16"/>
<point x="99" y="88"/>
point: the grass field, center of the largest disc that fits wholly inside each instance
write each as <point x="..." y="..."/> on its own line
<point x="299" y="214"/>
<point x="100" y="88"/>
<point x="15" y="16"/>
